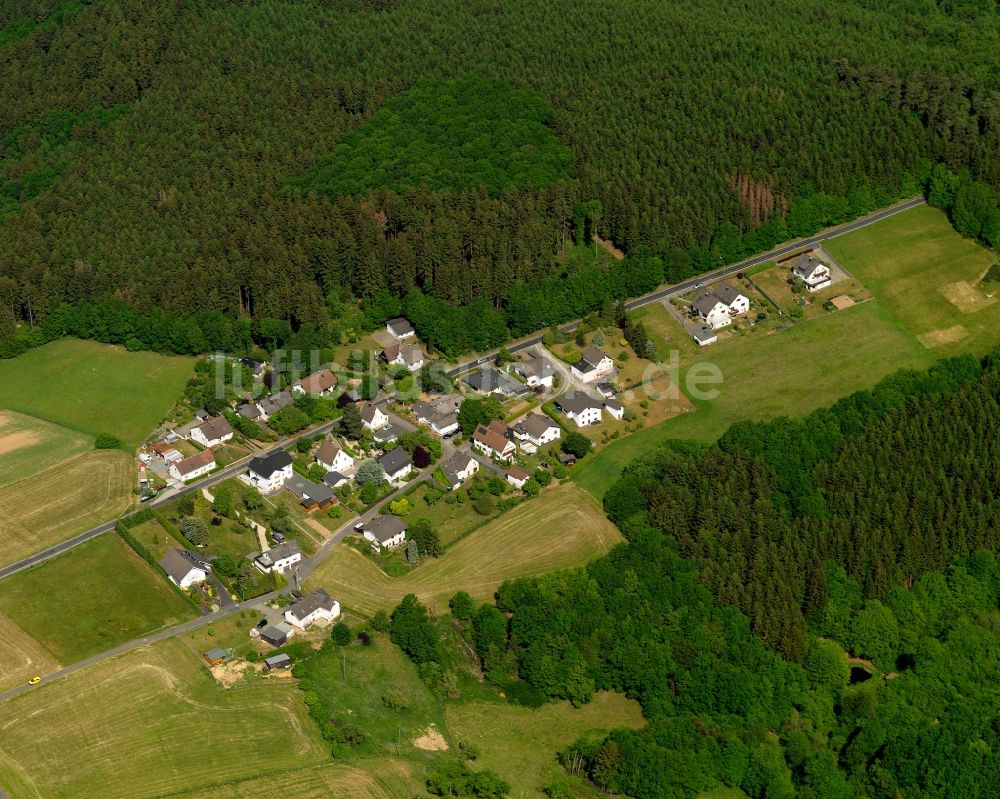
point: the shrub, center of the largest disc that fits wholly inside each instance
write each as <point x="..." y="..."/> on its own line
<point x="341" y="634"/>
<point x="108" y="441"/>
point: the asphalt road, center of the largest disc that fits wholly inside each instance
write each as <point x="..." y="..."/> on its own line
<point x="523" y="344"/>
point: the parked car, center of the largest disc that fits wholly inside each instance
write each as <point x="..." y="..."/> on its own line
<point x="34" y="680"/>
<point x="262" y="624"/>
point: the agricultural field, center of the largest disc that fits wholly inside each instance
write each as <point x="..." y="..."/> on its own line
<point x="90" y="599"/>
<point x="94" y="388"/>
<point x="928" y="277"/>
<point x="154" y="723"/>
<point x="563" y="527"/>
<point x="63" y="500"/>
<point x="29" y="445"/>
<point x="520" y="744"/>
<point x="21" y="656"/>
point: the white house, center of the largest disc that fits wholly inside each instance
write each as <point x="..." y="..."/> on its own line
<point x="332" y="457"/>
<point x="268" y="473"/>
<point x="318" y="384"/>
<point x="517" y="476"/>
<point x="704" y="335"/>
<point x="614" y="408"/>
<point x="440" y="414"/>
<point x="385" y="531"/>
<point x="712" y="311"/>
<point x="736" y="302"/>
<point x="317" y="607"/>
<point x="396" y="464"/>
<point x="459" y="468"/>
<point x="193" y="467"/>
<point x="279" y="558"/>
<point x="537" y="429"/>
<point x="373" y="417"/>
<point x="535" y="371"/>
<point x="212" y="432"/>
<point x="399" y="328"/>
<point x="594" y="365"/>
<point x="812" y="272"/>
<point x="581" y="408"/>
<point x="184" y="568"/>
<point x="410" y="356"/>
<point x="493" y="441"/>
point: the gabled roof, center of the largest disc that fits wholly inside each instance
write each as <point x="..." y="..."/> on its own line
<point x="488" y="379"/>
<point x="284" y="550"/>
<point x="388" y="433"/>
<point x="727" y="293"/>
<point x="458" y="462"/>
<point x="188" y="465"/>
<point x="704" y="333"/>
<point x="806" y="263"/>
<point x="518" y="473"/>
<point x="535" y="366"/>
<point x="334" y="479"/>
<point x="577" y="403"/>
<point x="277" y="402"/>
<point x="308" y="490"/>
<point x="318" y="382"/>
<point x="492" y="437"/>
<point x="368" y="411"/>
<point x="385" y="527"/>
<point x="266" y="465"/>
<point x="328" y="451"/>
<point x="249" y="410"/>
<point x="706" y="303"/>
<point x="176" y="565"/>
<point x="614" y="404"/>
<point x="536" y="425"/>
<point x="394" y="460"/>
<point x="399" y="326"/>
<point x="311" y="602"/>
<point x="411" y="353"/>
<point x="216" y="428"/>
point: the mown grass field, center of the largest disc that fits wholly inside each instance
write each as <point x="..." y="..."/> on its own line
<point x="154" y="723"/>
<point x="29" y="445"/>
<point x="63" y="500"/>
<point x="520" y="744"/>
<point x="563" y="527"/>
<point x="21" y="656"/>
<point x="90" y="599"/>
<point x="94" y="388"/>
<point x="927" y="276"/>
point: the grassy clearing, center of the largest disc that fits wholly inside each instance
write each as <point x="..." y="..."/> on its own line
<point x="29" y="445"/>
<point x="154" y="723"/>
<point x="521" y="744"/>
<point x="789" y="372"/>
<point x="774" y="282"/>
<point x="928" y="277"/>
<point x="94" y="388"/>
<point x="155" y="537"/>
<point x="561" y="528"/>
<point x="53" y="505"/>
<point x="21" y="656"/>
<point x="452" y="520"/>
<point x="90" y="599"/>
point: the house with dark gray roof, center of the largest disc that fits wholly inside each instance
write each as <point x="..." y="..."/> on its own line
<point x="490" y="380"/>
<point x="813" y="273"/>
<point x="279" y="558"/>
<point x="315" y="607"/>
<point x="581" y="408"/>
<point x="385" y="531"/>
<point x="400" y="328"/>
<point x="274" y="403"/>
<point x="184" y="568"/>
<point x="268" y="473"/>
<point x="593" y="365"/>
<point x="396" y="464"/>
<point x="459" y="468"/>
<point x="312" y="496"/>
<point x="535" y="371"/>
<point x="536" y="429"/>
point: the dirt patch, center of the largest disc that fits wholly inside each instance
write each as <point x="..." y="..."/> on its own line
<point x="615" y="253"/>
<point x="937" y="338"/>
<point x="431" y="741"/>
<point x="319" y="528"/>
<point x="229" y="673"/>
<point x="20" y="440"/>
<point x="966" y="297"/>
<point x="5" y="419"/>
<point x="841" y="302"/>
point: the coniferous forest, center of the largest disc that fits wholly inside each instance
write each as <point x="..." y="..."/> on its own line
<point x="182" y="158"/>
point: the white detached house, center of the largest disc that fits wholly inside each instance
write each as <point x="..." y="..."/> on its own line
<point x="581" y="408"/>
<point x="212" y="432"/>
<point x="317" y="607"/>
<point x="814" y="274"/>
<point x="184" y="568"/>
<point x="373" y="417"/>
<point x="332" y="457"/>
<point x="268" y="473"/>
<point x="594" y="365"/>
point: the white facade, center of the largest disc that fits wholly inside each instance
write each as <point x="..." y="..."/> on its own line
<point x="550" y="434"/>
<point x="615" y="409"/>
<point x="194" y="575"/>
<point x="193" y="474"/>
<point x="815" y="275"/>
<point x="718" y="316"/>
<point x="280" y="564"/>
<point x="397" y="540"/>
<point x="601" y="370"/>
<point x="320" y="615"/>
<point x="341" y="462"/>
<point x="272" y="483"/>
<point x="377" y="420"/>
<point x="517" y="482"/>
<point x="586" y="417"/>
<point x="399" y="474"/>
<point x="199" y="437"/>
<point x="470" y="469"/>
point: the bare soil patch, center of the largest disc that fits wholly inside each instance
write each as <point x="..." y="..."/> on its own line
<point x="431" y="741"/>
<point x="615" y="253"/>
<point x="937" y="338"/>
<point x="231" y="672"/>
<point x="966" y="297"/>
<point x="19" y="440"/>
<point x="841" y="302"/>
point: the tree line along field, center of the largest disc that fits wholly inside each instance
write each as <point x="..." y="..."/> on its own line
<point x="90" y="599"/>
<point x="94" y="388"/>
<point x="909" y="262"/>
<point x="563" y="527"/>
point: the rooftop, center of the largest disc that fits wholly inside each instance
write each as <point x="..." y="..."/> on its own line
<point x="266" y="465"/>
<point x="189" y="465"/>
<point x="385" y="527"/>
<point x="216" y="428"/>
<point x="311" y="602"/>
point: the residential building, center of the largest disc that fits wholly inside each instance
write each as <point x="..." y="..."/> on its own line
<point x="279" y="558"/>
<point x="441" y="414"/>
<point x="606" y="390"/>
<point x="535" y="371"/>
<point x="410" y="356"/>
<point x="268" y="473"/>
<point x="194" y="467"/>
<point x="251" y="411"/>
<point x="332" y="457"/>
<point x="459" y="468"/>
<point x="581" y="408"/>
<point x="704" y="335"/>
<point x="593" y="365"/>
<point x="255" y="366"/>
<point x="736" y="302"/>
<point x="490" y="380"/>
<point x="386" y="532"/>
<point x="537" y="429"/>
<point x="711" y="310"/>
<point x="400" y="328"/>
<point x="318" y="384"/>
<point x="274" y="403"/>
<point x="386" y="435"/>
<point x="184" y="568"/>
<point x="312" y="496"/>
<point x="493" y="442"/>
<point x="517" y="476"/>
<point x="373" y="417"/>
<point x="317" y="607"/>
<point x="212" y="432"/>
<point x="813" y="273"/>
<point x="335" y="479"/>
<point x="614" y="408"/>
<point x="396" y="464"/>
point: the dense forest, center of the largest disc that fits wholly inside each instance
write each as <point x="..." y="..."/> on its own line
<point x="809" y="608"/>
<point x="199" y="156"/>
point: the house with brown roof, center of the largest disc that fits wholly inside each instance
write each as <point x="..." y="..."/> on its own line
<point x="332" y="457"/>
<point x="212" y="432"/>
<point x="492" y="441"/>
<point x="517" y="476"/>
<point x="193" y="467"/>
<point x="408" y="355"/>
<point x="318" y="384"/>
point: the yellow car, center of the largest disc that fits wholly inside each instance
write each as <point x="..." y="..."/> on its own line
<point x="34" y="681"/>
